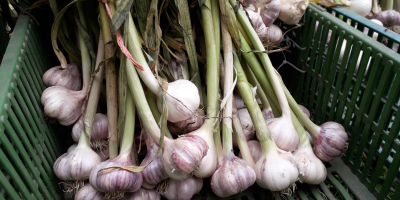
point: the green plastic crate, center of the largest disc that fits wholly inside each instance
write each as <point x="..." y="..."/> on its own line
<point x="365" y="105"/>
<point x="28" y="144"/>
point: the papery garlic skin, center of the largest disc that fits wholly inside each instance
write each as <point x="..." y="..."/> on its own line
<point x="283" y="133"/>
<point x="292" y="11"/>
<point x="69" y="78"/>
<point x="62" y="104"/>
<point x="103" y="154"/>
<point x="154" y="172"/>
<point x="183" y="156"/>
<point x="267" y="113"/>
<point x="277" y="170"/>
<point x="193" y="123"/>
<point x="247" y="124"/>
<point x="180" y="189"/>
<point x="209" y="163"/>
<point x="330" y="142"/>
<point x="87" y="192"/>
<point x="76" y="164"/>
<point x="269" y="9"/>
<point x="99" y="131"/>
<point x="182" y="100"/>
<point x="232" y="177"/>
<point x="142" y="194"/>
<point x="311" y="169"/>
<point x="117" y="180"/>
<point x="255" y="150"/>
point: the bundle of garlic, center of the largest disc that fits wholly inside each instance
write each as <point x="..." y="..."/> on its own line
<point x="165" y="114"/>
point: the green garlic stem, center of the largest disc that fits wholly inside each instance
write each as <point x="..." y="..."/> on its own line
<point x="129" y="126"/>
<point x="151" y="99"/>
<point x="228" y="82"/>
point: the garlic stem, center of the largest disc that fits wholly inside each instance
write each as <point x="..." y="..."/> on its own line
<point x="218" y="146"/>
<point x="244" y="87"/>
<point x="265" y="61"/>
<point x="94" y="94"/>
<point x="228" y="82"/>
<point x="86" y="63"/>
<point x="129" y="125"/>
<point x="134" y="45"/>
<point x="260" y="93"/>
<point x="151" y="99"/>
<point x="111" y="80"/>
<point x="217" y="29"/>
<point x="241" y="138"/>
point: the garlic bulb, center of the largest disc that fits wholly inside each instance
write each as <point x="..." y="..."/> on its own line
<point x="142" y="194"/>
<point x="239" y="102"/>
<point x="284" y="133"/>
<point x="267" y="113"/>
<point x="63" y="104"/>
<point x="154" y="172"/>
<point x="271" y="35"/>
<point x="292" y="11"/>
<point x="361" y="7"/>
<point x="103" y="154"/>
<point x="182" y="157"/>
<point x="88" y="192"/>
<point x="330" y="142"/>
<point x="182" y="99"/>
<point x="116" y="182"/>
<point x="388" y="18"/>
<point x="232" y="177"/>
<point x="193" y="123"/>
<point x="75" y="166"/>
<point x="269" y="9"/>
<point x="311" y="169"/>
<point x="255" y="150"/>
<point x="247" y="123"/>
<point x="68" y="78"/>
<point x="276" y="170"/>
<point x="100" y="128"/>
<point x="182" y="190"/>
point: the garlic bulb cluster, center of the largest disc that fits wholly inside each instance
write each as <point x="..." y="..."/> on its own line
<point x="182" y="157"/>
<point x="180" y="189"/>
<point x="88" y="192"/>
<point x="68" y="78"/>
<point x="76" y="164"/>
<point x="63" y="104"/>
<point x="292" y="11"/>
<point x="283" y="133"/>
<point x="182" y="99"/>
<point x="269" y="35"/>
<point x="193" y="123"/>
<point x="142" y="194"/>
<point x="330" y="141"/>
<point x="269" y="9"/>
<point x="311" y="169"/>
<point x="115" y="183"/>
<point x="255" y="150"/>
<point x="154" y="172"/>
<point x="276" y="170"/>
<point x="232" y="177"/>
<point x="100" y="128"/>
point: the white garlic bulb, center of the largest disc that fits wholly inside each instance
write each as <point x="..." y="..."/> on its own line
<point x="311" y="169"/>
<point x="182" y="99"/>
<point x="255" y="150"/>
<point x="66" y="77"/>
<point x="182" y="190"/>
<point x="283" y="133"/>
<point x="292" y="11"/>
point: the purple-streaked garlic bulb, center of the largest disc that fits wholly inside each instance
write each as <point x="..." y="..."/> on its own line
<point x="269" y="9"/>
<point x="63" y="104"/>
<point x="183" y="156"/>
<point x="98" y="139"/>
<point x="142" y="194"/>
<point x="330" y="142"/>
<point x="103" y="153"/>
<point x="232" y="177"/>
<point x="69" y="77"/>
<point x="114" y="183"/>
<point x="180" y="189"/>
<point x="388" y="18"/>
<point x="154" y="172"/>
<point x="88" y="192"/>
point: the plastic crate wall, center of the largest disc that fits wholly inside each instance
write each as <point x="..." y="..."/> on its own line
<point x="364" y="99"/>
<point x="28" y="146"/>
